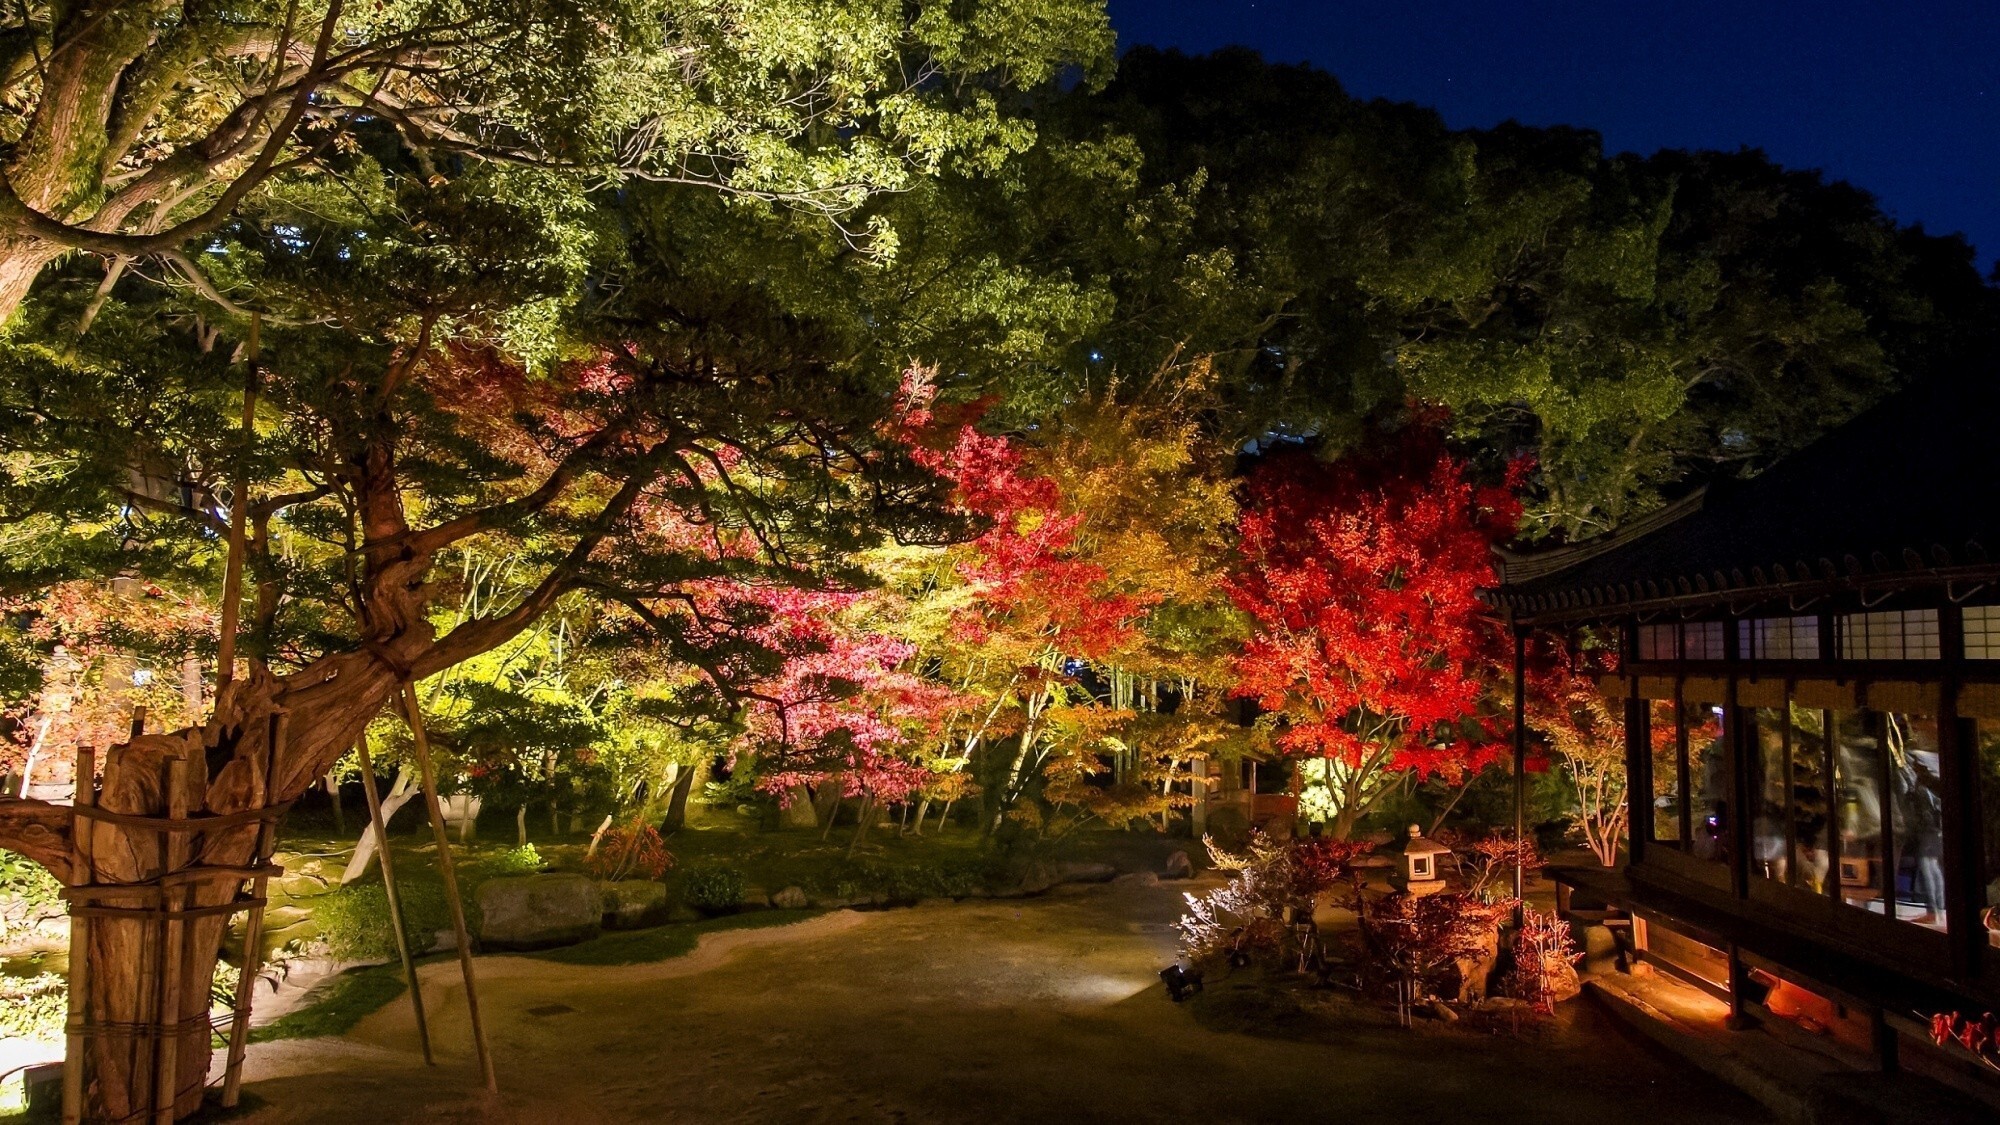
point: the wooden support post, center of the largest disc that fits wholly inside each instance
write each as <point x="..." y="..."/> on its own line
<point x="173" y="896"/>
<point x="79" y="938"/>
<point x="1738" y="1019"/>
<point x="1520" y="767"/>
<point x="395" y="899"/>
<point x="253" y="926"/>
<point x="1888" y="1056"/>
<point x="416" y="720"/>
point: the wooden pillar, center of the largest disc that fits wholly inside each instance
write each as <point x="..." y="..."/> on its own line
<point x="1740" y="742"/>
<point x="1958" y="790"/>
<point x="1638" y="779"/>
<point x="253" y="924"/>
<point x="239" y="502"/>
<point x="1887" y="1051"/>
<point x="1739" y="980"/>
<point x="1520" y="765"/>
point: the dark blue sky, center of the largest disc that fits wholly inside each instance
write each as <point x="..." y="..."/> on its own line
<point x="1901" y="98"/>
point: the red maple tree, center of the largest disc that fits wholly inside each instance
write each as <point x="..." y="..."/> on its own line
<point x="1373" y="651"/>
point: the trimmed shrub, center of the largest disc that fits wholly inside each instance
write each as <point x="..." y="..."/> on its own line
<point x="354" y="920"/>
<point x="524" y="860"/>
<point x="714" y="889"/>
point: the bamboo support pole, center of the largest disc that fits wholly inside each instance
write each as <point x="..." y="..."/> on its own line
<point x="429" y="775"/>
<point x="253" y="925"/>
<point x="79" y="939"/>
<point x="239" y="502"/>
<point x="167" y="1039"/>
<point x="395" y="898"/>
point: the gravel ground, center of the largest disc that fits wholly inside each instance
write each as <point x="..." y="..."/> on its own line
<point x="991" y="1011"/>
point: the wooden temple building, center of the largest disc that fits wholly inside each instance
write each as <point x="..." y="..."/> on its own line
<point x="1810" y="679"/>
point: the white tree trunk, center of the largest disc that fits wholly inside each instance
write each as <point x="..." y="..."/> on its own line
<point x="34" y="751"/>
<point x="597" y="837"/>
<point x="399" y="794"/>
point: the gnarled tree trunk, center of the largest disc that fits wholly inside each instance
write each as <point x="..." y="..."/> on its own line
<point x="327" y="705"/>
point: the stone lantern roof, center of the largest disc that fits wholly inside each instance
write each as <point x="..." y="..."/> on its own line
<point x="1417" y="844"/>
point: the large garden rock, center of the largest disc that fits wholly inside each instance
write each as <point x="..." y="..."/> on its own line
<point x="1475" y="973"/>
<point x="633" y="904"/>
<point x="1565" y="984"/>
<point x="539" y="911"/>
<point x="791" y="898"/>
<point x="1600" y="949"/>
<point x="1041" y="877"/>
<point x="1229" y="826"/>
<point x="799" y="812"/>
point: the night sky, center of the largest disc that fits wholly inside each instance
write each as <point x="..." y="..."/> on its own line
<point x="1901" y="98"/>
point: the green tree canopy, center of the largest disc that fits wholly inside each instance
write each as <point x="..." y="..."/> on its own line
<point x="1639" y="323"/>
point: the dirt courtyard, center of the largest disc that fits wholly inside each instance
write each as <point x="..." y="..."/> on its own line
<point x="991" y="1011"/>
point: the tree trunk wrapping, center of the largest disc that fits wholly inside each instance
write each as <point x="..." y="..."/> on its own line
<point x="330" y="702"/>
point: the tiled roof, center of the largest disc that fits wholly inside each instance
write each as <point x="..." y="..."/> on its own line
<point x="1906" y="494"/>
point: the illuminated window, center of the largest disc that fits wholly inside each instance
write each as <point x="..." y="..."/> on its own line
<point x="1659" y="642"/>
<point x="1989" y="804"/>
<point x="1888" y="808"/>
<point x="1702" y="640"/>
<point x="1695" y="640"/>
<point x="1780" y="638"/>
<point x="1907" y="634"/>
<point x="1708" y="781"/>
<point x="1982" y="632"/>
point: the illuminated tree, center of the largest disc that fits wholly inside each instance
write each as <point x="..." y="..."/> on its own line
<point x="1585" y="733"/>
<point x="845" y="715"/>
<point x="1008" y="618"/>
<point x="140" y="126"/>
<point x="1640" y="323"/>
<point x="434" y="372"/>
<point x="94" y="655"/>
<point x="1139" y="463"/>
<point x="1372" y="651"/>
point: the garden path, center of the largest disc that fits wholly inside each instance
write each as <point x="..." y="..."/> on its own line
<point x="991" y="1011"/>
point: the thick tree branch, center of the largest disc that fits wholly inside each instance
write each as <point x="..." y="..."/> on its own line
<point x="152" y="504"/>
<point x="485" y="634"/>
<point x="27" y="219"/>
<point x="572" y="466"/>
<point x="38" y="830"/>
<point x="202" y="285"/>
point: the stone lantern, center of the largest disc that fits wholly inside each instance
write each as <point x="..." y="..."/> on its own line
<point x="1417" y="865"/>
